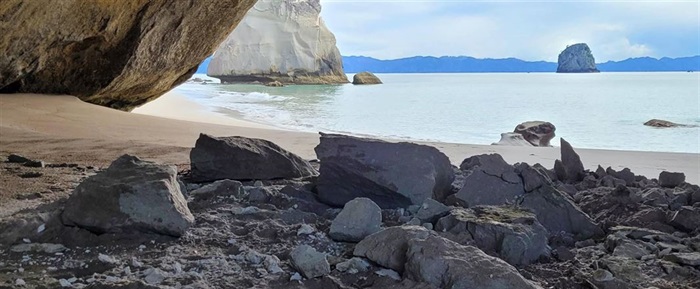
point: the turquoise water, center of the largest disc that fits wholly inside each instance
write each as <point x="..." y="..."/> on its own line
<point x="602" y="110"/>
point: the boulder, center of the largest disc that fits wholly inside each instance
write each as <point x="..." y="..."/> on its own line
<point x="280" y="40"/>
<point x="512" y="234"/>
<point x="537" y="133"/>
<point x="119" y="54"/>
<point x="671" y="180"/>
<point x="393" y="175"/>
<point x="492" y="182"/>
<point x="224" y="188"/>
<point x="431" y="211"/>
<point x="686" y="218"/>
<point x="274" y="84"/>
<point x="241" y="158"/>
<point x="131" y="195"/>
<point x="353" y="266"/>
<point x="688" y="259"/>
<point x="359" y="218"/>
<point x="388" y="247"/>
<point x="625" y="174"/>
<point x="554" y="209"/>
<point x="571" y="168"/>
<point x="660" y="123"/>
<point x="576" y="58"/>
<point x="446" y="264"/>
<point x="310" y="262"/>
<point x="365" y="78"/>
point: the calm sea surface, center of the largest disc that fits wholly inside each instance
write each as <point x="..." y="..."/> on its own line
<point x="602" y="110"/>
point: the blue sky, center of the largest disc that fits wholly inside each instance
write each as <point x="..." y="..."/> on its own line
<point x="530" y="30"/>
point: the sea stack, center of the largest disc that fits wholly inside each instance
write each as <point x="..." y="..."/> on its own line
<point x="576" y="58"/>
<point x="280" y="40"/>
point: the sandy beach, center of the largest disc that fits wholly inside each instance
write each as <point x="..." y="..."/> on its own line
<point x="63" y="128"/>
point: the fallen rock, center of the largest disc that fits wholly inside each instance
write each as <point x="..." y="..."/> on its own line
<point x="309" y="262"/>
<point x="222" y="188"/>
<point x="365" y="78"/>
<point x="241" y="158"/>
<point x="446" y="264"/>
<point x="492" y="182"/>
<point x="571" y="163"/>
<point x="554" y="209"/>
<point x="388" y="247"/>
<point x="688" y="259"/>
<point x="359" y="218"/>
<point x="537" y="133"/>
<point x="353" y="266"/>
<point x="119" y="54"/>
<point x="510" y="233"/>
<point x="431" y="210"/>
<point x="393" y="175"/>
<point x="686" y="219"/>
<point x="576" y="58"/>
<point x="671" y="180"/>
<point x="154" y="276"/>
<point x="131" y="195"/>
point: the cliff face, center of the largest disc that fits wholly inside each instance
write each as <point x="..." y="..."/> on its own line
<point x="119" y="54"/>
<point x="577" y="58"/>
<point x="280" y="40"/>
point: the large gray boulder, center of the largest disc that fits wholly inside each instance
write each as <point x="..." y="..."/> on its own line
<point x="512" y="234"/>
<point x="446" y="264"/>
<point x="671" y="179"/>
<point x="388" y="247"/>
<point x="553" y="208"/>
<point x="570" y="168"/>
<point x="576" y="58"/>
<point x="131" y="195"/>
<point x="241" y="158"/>
<point x="492" y="181"/>
<point x="393" y="175"/>
<point x="359" y="218"/>
<point x="431" y="210"/>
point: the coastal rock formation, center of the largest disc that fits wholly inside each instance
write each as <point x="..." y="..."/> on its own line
<point x="393" y="175"/>
<point x="241" y="158"/>
<point x="665" y="124"/>
<point x="365" y="78"/>
<point x="280" y="40"/>
<point x="492" y="181"/>
<point x="538" y="133"/>
<point x="570" y="168"/>
<point x="529" y="133"/>
<point x="130" y="196"/>
<point x="359" y="218"/>
<point x="119" y="54"/>
<point x="576" y="58"/>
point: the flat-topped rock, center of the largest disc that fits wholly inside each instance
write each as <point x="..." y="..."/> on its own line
<point x="365" y="78"/>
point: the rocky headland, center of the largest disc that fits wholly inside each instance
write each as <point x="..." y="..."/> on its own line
<point x="576" y="58"/>
<point x="119" y="54"/>
<point x="246" y="213"/>
<point x="280" y="40"/>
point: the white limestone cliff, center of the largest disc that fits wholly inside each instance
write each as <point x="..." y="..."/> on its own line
<point x="280" y="40"/>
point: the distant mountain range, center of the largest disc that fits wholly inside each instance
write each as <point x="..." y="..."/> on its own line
<point x="430" y="64"/>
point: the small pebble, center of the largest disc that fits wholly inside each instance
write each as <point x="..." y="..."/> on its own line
<point x="295" y="277"/>
<point x="64" y="283"/>
<point x="41" y="228"/>
<point x="20" y="282"/>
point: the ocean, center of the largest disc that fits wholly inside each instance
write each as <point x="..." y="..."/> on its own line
<point x="598" y="110"/>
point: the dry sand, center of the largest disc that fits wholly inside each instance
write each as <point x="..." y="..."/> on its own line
<point x="64" y="129"/>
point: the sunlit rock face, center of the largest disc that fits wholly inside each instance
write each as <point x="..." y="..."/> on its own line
<point x="576" y="58"/>
<point x="119" y="54"/>
<point x="280" y="40"/>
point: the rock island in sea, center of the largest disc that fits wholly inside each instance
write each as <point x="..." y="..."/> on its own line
<point x="576" y="58"/>
<point x="280" y="40"/>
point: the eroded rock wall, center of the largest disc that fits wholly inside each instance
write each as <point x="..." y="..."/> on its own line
<point x="119" y="54"/>
<point x="280" y="40"/>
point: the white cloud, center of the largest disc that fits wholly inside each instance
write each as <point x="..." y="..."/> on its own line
<point x="529" y="30"/>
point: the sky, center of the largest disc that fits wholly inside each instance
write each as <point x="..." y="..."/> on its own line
<point x="529" y="30"/>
